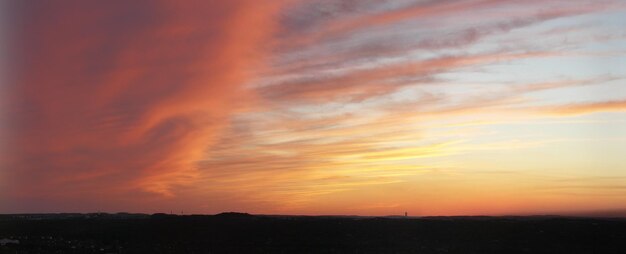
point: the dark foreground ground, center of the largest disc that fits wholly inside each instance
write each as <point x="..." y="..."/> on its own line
<point x="241" y="233"/>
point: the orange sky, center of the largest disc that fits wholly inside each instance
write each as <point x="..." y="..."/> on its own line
<point x="460" y="107"/>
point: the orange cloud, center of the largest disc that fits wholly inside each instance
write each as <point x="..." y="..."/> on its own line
<point x="586" y="108"/>
<point x="114" y="98"/>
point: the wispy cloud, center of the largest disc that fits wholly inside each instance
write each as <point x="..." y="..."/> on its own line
<point x="586" y="108"/>
<point x="114" y="98"/>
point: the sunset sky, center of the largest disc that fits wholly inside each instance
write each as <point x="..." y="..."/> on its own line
<point x="359" y="107"/>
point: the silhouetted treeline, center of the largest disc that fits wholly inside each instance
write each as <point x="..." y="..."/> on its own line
<point x="244" y="233"/>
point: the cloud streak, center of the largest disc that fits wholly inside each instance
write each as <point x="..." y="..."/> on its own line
<point x="587" y="108"/>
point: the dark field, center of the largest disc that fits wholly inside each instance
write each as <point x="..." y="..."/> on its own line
<point x="242" y="233"/>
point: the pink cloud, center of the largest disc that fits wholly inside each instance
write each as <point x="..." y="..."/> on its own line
<point x="113" y="97"/>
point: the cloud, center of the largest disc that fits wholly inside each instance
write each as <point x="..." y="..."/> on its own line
<point x="353" y="87"/>
<point x="365" y="83"/>
<point x="586" y="108"/>
<point x="115" y="97"/>
<point x="277" y="107"/>
<point x="336" y="63"/>
<point x="372" y="31"/>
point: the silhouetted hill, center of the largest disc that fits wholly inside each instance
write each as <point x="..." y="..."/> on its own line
<point x="245" y="233"/>
<point x="234" y="215"/>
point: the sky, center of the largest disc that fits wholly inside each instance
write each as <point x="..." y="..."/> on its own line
<point x="352" y="107"/>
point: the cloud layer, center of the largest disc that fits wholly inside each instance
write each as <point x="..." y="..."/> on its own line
<point x="307" y="106"/>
